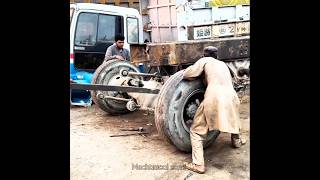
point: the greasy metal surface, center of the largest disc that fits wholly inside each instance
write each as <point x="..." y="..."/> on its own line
<point x="143" y="74"/>
<point x="175" y="53"/>
<point x="235" y="66"/>
<point x="101" y="87"/>
<point x="138" y="53"/>
<point x="116" y="98"/>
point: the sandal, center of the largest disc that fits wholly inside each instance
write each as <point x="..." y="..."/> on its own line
<point x="237" y="140"/>
<point x="193" y="167"/>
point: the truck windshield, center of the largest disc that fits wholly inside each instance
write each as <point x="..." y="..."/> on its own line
<point x="86" y="31"/>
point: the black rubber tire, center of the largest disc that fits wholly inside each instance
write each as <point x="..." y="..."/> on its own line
<point x="103" y="75"/>
<point x="170" y="107"/>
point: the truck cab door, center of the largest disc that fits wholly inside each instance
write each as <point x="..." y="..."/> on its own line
<point x="94" y="33"/>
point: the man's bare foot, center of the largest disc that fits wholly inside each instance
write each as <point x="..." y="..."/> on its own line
<point x="194" y="167"/>
<point x="237" y="140"/>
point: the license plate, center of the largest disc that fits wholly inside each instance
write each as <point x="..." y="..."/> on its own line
<point x="202" y="32"/>
<point x="243" y="28"/>
<point x="223" y="30"/>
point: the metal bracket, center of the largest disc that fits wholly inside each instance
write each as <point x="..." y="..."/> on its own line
<point x="131" y="105"/>
<point x="125" y="73"/>
<point x="102" y="96"/>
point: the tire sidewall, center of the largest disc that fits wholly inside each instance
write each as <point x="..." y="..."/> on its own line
<point x="173" y="108"/>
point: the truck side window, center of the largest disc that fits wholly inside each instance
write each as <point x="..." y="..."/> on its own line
<point x="133" y="33"/>
<point x="86" y="30"/>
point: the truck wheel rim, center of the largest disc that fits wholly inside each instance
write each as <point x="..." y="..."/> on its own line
<point x="190" y="107"/>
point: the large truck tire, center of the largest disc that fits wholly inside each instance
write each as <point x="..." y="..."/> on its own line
<point x="105" y="74"/>
<point x="177" y="103"/>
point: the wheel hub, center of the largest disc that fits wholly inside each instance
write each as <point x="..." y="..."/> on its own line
<point x="190" y="108"/>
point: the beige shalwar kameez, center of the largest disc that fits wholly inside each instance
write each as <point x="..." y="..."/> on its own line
<point x="220" y="108"/>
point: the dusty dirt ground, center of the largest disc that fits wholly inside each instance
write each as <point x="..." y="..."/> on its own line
<point x="94" y="155"/>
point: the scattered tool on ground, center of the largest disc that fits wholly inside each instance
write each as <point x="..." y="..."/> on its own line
<point x="117" y="135"/>
<point x="140" y="131"/>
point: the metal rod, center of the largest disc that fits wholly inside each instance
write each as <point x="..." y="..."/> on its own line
<point x="143" y="74"/>
<point x="116" y="98"/>
<point x="101" y="87"/>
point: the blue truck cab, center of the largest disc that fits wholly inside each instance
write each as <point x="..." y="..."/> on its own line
<point x="92" y="30"/>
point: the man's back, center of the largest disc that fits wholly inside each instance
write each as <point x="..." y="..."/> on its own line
<point x="216" y="72"/>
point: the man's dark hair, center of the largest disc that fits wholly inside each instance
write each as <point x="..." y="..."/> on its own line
<point x="119" y="37"/>
<point x="210" y="51"/>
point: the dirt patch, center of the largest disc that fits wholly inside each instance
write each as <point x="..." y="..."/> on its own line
<point x="95" y="155"/>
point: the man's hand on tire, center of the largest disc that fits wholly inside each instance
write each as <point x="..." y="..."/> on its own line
<point x="119" y="57"/>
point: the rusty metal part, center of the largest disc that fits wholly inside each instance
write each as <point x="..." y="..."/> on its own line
<point x="236" y="66"/>
<point x="191" y="109"/>
<point x="138" y="53"/>
<point x="102" y="87"/>
<point x="240" y="72"/>
<point x="188" y="52"/>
